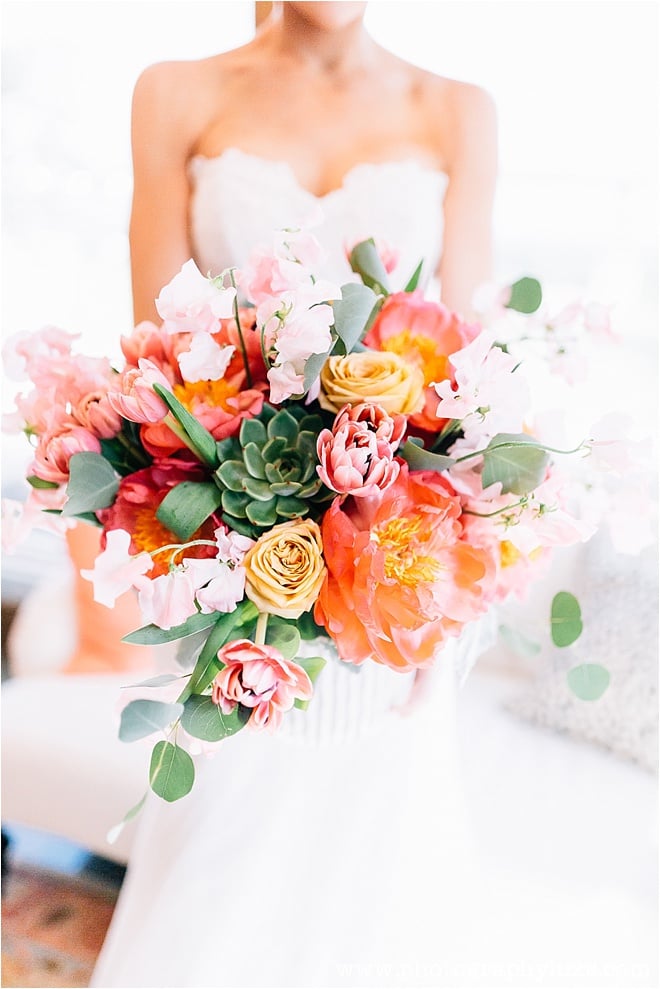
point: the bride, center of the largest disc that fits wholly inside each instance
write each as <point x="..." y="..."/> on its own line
<point x="336" y="852"/>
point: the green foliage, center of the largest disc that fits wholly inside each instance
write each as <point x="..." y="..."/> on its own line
<point x="413" y="281"/>
<point x="157" y="681"/>
<point x="526" y="296"/>
<point x="365" y="260"/>
<point x="40" y="484"/>
<point x="142" y="718"/>
<point x="92" y="485"/>
<point x="283" y="635"/>
<point x="418" y="458"/>
<point x="565" y="619"/>
<point x="312" y="665"/>
<point x="208" y="663"/>
<point x="114" y="833"/>
<point x="517" y="642"/>
<point x="172" y="772"/>
<point x="187" y="505"/>
<point x="204" y="719"/>
<point x="352" y="314"/>
<point x="197" y="437"/>
<point x="152" y="635"/>
<point x="516" y="460"/>
<point x="308" y="628"/>
<point x="588" y="681"/>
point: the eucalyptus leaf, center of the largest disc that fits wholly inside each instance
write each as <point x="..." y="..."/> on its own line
<point x="92" y="485"/>
<point x="201" y="441"/>
<point x="308" y="628"/>
<point x="204" y="719"/>
<point x="208" y="663"/>
<point x="113" y="833"/>
<point x="565" y="619"/>
<point x="352" y="312"/>
<point x="526" y="296"/>
<point x="588" y="681"/>
<point x="366" y="261"/>
<point x="418" y="458"/>
<point x="187" y="506"/>
<point x="313" y="366"/>
<point x="515" y="460"/>
<point x="142" y="718"/>
<point x="172" y="772"/>
<point x="284" y="636"/>
<point x="158" y="681"/>
<point x="152" y="635"/>
<point x="312" y="665"/>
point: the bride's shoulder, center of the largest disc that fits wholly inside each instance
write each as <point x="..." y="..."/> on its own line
<point x="182" y="96"/>
<point x="457" y="115"/>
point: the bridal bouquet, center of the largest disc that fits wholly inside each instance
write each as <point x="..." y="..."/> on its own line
<point x="322" y="460"/>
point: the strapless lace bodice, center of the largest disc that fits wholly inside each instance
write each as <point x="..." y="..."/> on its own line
<point x="239" y="199"/>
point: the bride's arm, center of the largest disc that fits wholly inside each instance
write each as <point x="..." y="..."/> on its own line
<point x="161" y="135"/>
<point x="468" y="209"/>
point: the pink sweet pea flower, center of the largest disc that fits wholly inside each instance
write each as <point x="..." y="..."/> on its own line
<point x="115" y="570"/>
<point x="137" y="399"/>
<point x="191" y="303"/>
<point x="27" y="355"/>
<point x="357" y="456"/>
<point x="610" y="446"/>
<point x="258" y="676"/>
<point x="168" y="600"/>
<point x="205" y="360"/>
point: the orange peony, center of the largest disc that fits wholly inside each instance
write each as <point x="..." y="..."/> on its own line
<point x="401" y="578"/>
<point x="425" y="334"/>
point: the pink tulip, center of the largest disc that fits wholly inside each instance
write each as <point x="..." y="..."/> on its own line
<point x="137" y="399"/>
<point x="357" y="455"/>
<point x="259" y="677"/>
<point x="52" y="456"/>
<point x="94" y="412"/>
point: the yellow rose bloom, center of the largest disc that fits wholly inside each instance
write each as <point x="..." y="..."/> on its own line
<point x="285" y="569"/>
<point x="377" y="377"/>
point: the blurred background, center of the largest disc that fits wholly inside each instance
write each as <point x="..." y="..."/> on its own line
<point x="576" y="86"/>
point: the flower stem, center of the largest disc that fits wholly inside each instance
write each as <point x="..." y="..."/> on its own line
<point x="179" y="547"/>
<point x="510" y="445"/>
<point x="260" y="631"/>
<point x="241" y="339"/>
<point x="498" y="511"/>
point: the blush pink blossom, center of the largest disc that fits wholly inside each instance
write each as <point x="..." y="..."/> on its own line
<point x="205" y="360"/>
<point x="55" y="449"/>
<point x="258" y="677"/>
<point x="94" y="412"/>
<point x="357" y="455"/>
<point x="191" y="303"/>
<point x="115" y="570"/>
<point x="28" y="355"/>
<point x="137" y="399"/>
<point x="146" y="340"/>
<point x="168" y="600"/>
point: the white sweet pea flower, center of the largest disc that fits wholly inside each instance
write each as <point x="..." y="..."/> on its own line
<point x="191" y="303"/>
<point x="115" y="570"/>
<point x="206" y="360"/>
<point x="224" y="592"/>
<point x="610" y="447"/>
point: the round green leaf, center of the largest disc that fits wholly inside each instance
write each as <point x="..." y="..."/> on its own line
<point x="565" y="619"/>
<point x="526" y="296"/>
<point x="172" y="772"/>
<point x="204" y="719"/>
<point x="516" y="460"/>
<point x="142" y="718"/>
<point x="92" y="485"/>
<point x="588" y="681"/>
<point x="283" y="636"/>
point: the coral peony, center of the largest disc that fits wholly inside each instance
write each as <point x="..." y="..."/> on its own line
<point x="137" y="502"/>
<point x="260" y="678"/>
<point x="357" y="455"/>
<point x="401" y="578"/>
<point x="424" y="333"/>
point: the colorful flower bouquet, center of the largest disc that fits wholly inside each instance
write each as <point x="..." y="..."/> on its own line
<point x="321" y="460"/>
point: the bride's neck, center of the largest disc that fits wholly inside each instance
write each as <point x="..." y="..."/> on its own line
<point x="337" y="52"/>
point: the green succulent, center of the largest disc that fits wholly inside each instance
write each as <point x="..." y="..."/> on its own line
<point x="267" y="474"/>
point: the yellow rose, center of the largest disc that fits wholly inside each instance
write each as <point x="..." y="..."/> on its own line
<point x="377" y="377"/>
<point x="285" y="569"/>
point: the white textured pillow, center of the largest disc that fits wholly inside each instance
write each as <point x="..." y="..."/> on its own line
<point x="619" y="601"/>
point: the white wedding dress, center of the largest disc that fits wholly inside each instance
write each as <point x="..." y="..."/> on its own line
<point x="335" y="853"/>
